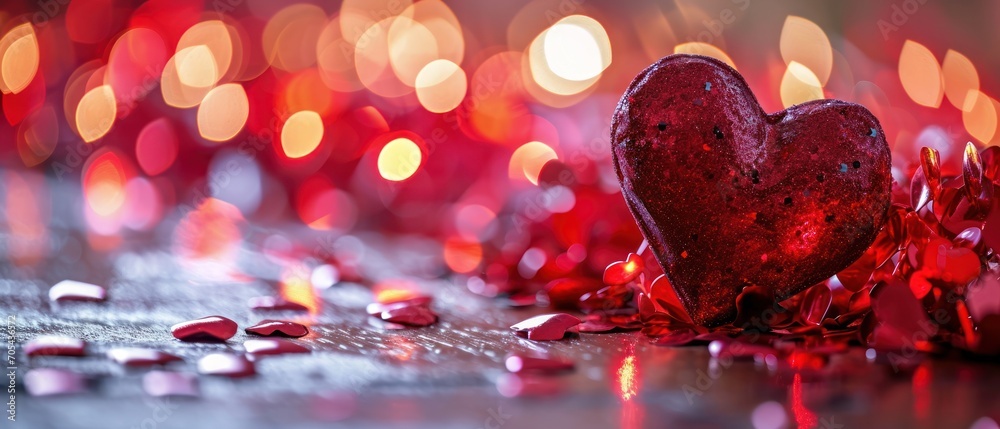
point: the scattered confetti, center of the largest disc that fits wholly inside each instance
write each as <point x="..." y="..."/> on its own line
<point x="206" y="329"/>
<point x="278" y="328"/>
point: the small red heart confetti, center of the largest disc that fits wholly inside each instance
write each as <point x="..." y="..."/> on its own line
<point x="278" y="328"/>
<point x="621" y="272"/>
<point x="546" y="327"/>
<point x="206" y="329"/>
<point x="52" y="345"/>
<point x="169" y="383"/>
<point x="141" y="357"/>
<point x="410" y="315"/>
<point x="272" y="346"/>
<point x="537" y="363"/>
<point x="227" y="365"/>
<point x="71" y="290"/>
<point x="52" y="381"/>
<point x="729" y="196"/>
<point x="270" y="303"/>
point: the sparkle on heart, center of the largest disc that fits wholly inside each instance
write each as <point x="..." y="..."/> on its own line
<point x="729" y="196"/>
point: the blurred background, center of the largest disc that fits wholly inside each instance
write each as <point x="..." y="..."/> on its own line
<point x="480" y="125"/>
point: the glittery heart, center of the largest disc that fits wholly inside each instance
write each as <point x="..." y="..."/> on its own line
<point x="729" y="196"/>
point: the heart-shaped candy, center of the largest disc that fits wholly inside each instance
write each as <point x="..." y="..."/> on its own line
<point x="729" y="196"/>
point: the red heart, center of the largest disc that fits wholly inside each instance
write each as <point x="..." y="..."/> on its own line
<point x="729" y="196"/>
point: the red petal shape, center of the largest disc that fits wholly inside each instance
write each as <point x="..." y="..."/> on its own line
<point x="969" y="238"/>
<point x="920" y="191"/>
<point x="546" y="327"/>
<point x="662" y="294"/>
<point x="410" y="315"/>
<point x="855" y="276"/>
<point x="278" y="328"/>
<point x="930" y="164"/>
<point x="206" y="329"/>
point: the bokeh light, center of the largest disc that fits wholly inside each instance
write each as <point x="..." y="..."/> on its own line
<point x="441" y="86"/>
<point x="156" y="147"/>
<point x="577" y="48"/>
<point x="223" y="112"/>
<point x="19" y="58"/>
<point x="569" y="57"/>
<point x="104" y="184"/>
<point x="920" y="74"/>
<point x="301" y="134"/>
<point x="980" y="115"/>
<point x="399" y="159"/>
<point x="204" y="54"/>
<point x="38" y="136"/>
<point x="290" y="34"/>
<point x="804" y="42"/>
<point x="799" y="85"/>
<point x="960" y="78"/>
<point x="462" y="256"/>
<point x="528" y="160"/>
<point x="96" y="113"/>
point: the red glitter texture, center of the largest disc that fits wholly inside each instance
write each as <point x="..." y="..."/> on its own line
<point x="729" y="196"/>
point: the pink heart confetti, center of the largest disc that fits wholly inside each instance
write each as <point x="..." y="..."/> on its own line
<point x="206" y="329"/>
<point x="621" y="272"/>
<point x="278" y="328"/>
<point x="410" y="315"/>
